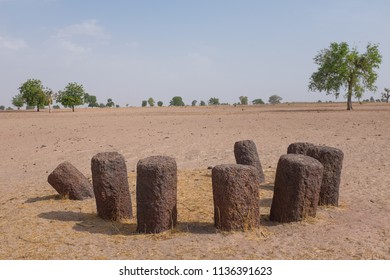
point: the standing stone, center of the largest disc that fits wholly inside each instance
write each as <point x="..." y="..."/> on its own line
<point x="332" y="160"/>
<point x="236" y="197"/>
<point x="111" y="187"/>
<point x="156" y="194"/>
<point x="297" y="188"/>
<point x="70" y="182"/>
<point x="245" y="153"/>
<point x="299" y="148"/>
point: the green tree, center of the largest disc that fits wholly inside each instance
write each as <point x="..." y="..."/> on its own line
<point x="176" y="101"/>
<point x="340" y="67"/>
<point x="258" y="101"/>
<point x="243" y="100"/>
<point x="18" y="101"/>
<point x="151" y="102"/>
<point x="110" y="103"/>
<point x="144" y="103"/>
<point x="274" y="99"/>
<point x="2" y="108"/>
<point x="91" y="100"/>
<point x="386" y="95"/>
<point x="214" y="101"/>
<point x="102" y="105"/>
<point x="193" y="103"/>
<point x="160" y="103"/>
<point x="73" y="95"/>
<point x="32" y="93"/>
<point x="202" y="103"/>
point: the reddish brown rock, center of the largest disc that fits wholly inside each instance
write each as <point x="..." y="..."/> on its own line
<point x="245" y="153"/>
<point x="297" y="188"/>
<point x="70" y="182"/>
<point x="299" y="148"/>
<point x="236" y="197"/>
<point x="156" y="194"/>
<point x="111" y="187"/>
<point x="332" y="160"/>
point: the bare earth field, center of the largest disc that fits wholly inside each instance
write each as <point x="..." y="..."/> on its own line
<point x="36" y="224"/>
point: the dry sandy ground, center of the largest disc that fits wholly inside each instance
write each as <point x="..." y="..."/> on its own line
<point x="35" y="224"/>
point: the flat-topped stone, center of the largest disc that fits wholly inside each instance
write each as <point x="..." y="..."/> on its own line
<point x="69" y="182"/>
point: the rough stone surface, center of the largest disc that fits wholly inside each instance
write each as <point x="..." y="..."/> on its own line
<point x="111" y="187"/>
<point x="156" y="194"/>
<point x="236" y="197"/>
<point x="299" y="148"/>
<point x="245" y="153"/>
<point x="332" y="160"/>
<point x="70" y="182"/>
<point x="297" y="188"/>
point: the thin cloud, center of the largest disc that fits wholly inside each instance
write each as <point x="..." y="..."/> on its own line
<point x="89" y="28"/>
<point x="12" y="44"/>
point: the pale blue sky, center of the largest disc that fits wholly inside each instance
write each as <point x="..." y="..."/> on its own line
<point x="133" y="50"/>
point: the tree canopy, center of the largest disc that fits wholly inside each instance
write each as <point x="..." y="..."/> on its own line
<point x="151" y="102"/>
<point x="18" y="101"/>
<point x="32" y="93"/>
<point x="274" y="99"/>
<point x="110" y="103"/>
<point x="176" y="101"/>
<point x="257" y="101"/>
<point x="386" y="95"/>
<point x="341" y="68"/>
<point x="73" y="95"/>
<point x="243" y="100"/>
<point x="91" y="100"/>
<point x="214" y="101"/>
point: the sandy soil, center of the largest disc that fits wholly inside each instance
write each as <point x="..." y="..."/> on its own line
<point x="36" y="224"/>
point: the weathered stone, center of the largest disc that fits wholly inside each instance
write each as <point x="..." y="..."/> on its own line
<point x="70" y="182"/>
<point x="156" y="194"/>
<point x="332" y="160"/>
<point x="245" y="153"/>
<point x="236" y="197"/>
<point x="299" y="148"/>
<point x="111" y="187"/>
<point x="297" y="188"/>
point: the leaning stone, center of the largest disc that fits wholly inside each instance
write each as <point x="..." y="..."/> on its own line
<point x="297" y="188"/>
<point x="70" y="182"/>
<point x="299" y="148"/>
<point x="245" y="153"/>
<point x="111" y="187"/>
<point x="156" y="194"/>
<point x="332" y="160"/>
<point x="236" y="197"/>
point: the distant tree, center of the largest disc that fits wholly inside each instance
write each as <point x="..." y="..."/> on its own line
<point x="9" y="109"/>
<point x="151" y="102"/>
<point x="214" y="101"/>
<point x="176" y="101"/>
<point x="18" y="101"/>
<point x="342" y="68"/>
<point x="49" y="97"/>
<point x="110" y="103"/>
<point x="32" y="93"/>
<point x="117" y="106"/>
<point x="386" y="95"/>
<point x="372" y="99"/>
<point x="91" y="100"/>
<point x="202" y="103"/>
<point x="193" y="103"/>
<point x="2" y="108"/>
<point x="258" y="101"/>
<point x="102" y="105"/>
<point x="243" y="100"/>
<point x="274" y="99"/>
<point x="144" y="103"/>
<point x="56" y="107"/>
<point x="71" y="96"/>
<point x="160" y="103"/>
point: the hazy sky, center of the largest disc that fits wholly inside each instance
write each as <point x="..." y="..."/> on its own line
<point x="132" y="50"/>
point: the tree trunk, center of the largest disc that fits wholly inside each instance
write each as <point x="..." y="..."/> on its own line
<point x="37" y="108"/>
<point x="349" y="101"/>
<point x="72" y="108"/>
